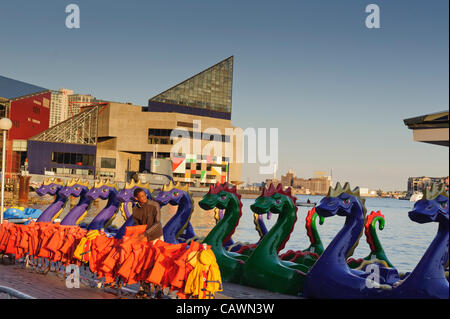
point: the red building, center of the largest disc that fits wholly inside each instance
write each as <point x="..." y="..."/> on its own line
<point x="28" y="107"/>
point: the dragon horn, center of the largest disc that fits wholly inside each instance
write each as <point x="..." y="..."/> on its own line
<point x="347" y="187"/>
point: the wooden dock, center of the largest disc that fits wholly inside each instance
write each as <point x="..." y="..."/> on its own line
<point x="51" y="286"/>
<point x="47" y="286"/>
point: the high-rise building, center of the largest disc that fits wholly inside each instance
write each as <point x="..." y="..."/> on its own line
<point x="59" y="107"/>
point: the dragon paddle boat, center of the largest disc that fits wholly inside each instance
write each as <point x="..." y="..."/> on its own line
<point x="264" y="268"/>
<point x="331" y="276"/>
<point x="106" y="191"/>
<point x="179" y="228"/>
<point x="427" y="280"/>
<point x="79" y="189"/>
<point x="225" y="197"/>
<point x="52" y="187"/>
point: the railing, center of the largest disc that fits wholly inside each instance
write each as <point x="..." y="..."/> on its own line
<point x="13" y="294"/>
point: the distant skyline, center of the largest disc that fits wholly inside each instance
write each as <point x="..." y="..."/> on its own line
<point x="337" y="91"/>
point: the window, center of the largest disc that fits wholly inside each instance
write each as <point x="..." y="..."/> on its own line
<point x="108" y="162"/>
<point x="159" y="136"/>
<point x="19" y="145"/>
<point x="72" y="159"/>
<point x="66" y="158"/>
<point x="187" y="124"/>
<point x="106" y="174"/>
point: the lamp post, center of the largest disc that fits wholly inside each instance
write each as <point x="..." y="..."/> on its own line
<point x="5" y="125"/>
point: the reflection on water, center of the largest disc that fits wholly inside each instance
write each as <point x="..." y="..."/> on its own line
<point x="404" y="241"/>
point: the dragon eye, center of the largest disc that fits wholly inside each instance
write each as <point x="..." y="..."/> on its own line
<point x="346" y="201"/>
<point x="223" y="197"/>
<point x="278" y="202"/>
<point x="104" y="190"/>
<point x="175" y="193"/>
<point x="444" y="205"/>
<point x="77" y="188"/>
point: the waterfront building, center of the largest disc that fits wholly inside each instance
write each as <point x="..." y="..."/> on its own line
<point x="28" y="107"/>
<point x="316" y="185"/>
<point x="419" y="184"/>
<point x="109" y="139"/>
<point x="430" y="128"/>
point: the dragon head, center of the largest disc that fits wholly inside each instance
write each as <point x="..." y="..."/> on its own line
<point x="126" y="195"/>
<point x="50" y="187"/>
<point x="74" y="188"/>
<point x="273" y="200"/>
<point x="219" y="196"/>
<point x="172" y="194"/>
<point x="102" y="190"/>
<point x="339" y="201"/>
<point x="433" y="207"/>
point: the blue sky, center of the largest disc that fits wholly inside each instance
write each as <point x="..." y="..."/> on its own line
<point x="337" y="91"/>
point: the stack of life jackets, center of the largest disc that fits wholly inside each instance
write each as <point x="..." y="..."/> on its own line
<point x="41" y="240"/>
<point x="191" y="270"/>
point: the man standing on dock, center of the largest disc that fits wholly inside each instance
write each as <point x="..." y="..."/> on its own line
<point x="147" y="212"/>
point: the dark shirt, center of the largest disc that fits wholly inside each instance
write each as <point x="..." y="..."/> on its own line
<point x="149" y="214"/>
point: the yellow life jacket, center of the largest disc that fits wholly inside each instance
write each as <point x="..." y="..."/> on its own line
<point x="204" y="280"/>
<point x="83" y="250"/>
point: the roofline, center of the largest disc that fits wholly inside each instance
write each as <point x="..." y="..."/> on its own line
<point x="29" y="95"/>
<point x="230" y="57"/>
<point x="432" y="118"/>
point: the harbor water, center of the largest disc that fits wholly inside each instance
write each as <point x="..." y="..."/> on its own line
<point x="403" y="240"/>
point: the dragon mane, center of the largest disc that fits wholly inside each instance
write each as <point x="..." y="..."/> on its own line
<point x="435" y="191"/>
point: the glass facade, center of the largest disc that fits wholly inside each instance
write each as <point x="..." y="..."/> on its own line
<point x="162" y="136"/>
<point x="210" y="89"/>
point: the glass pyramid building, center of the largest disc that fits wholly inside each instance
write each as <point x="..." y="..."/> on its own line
<point x="206" y="94"/>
